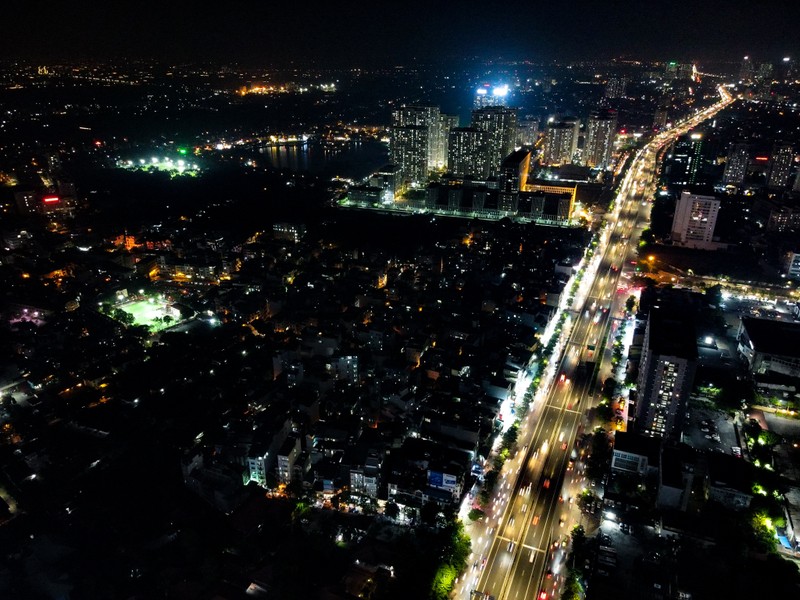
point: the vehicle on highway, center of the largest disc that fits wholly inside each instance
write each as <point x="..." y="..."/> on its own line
<point x="535" y="520"/>
<point x="546" y="484"/>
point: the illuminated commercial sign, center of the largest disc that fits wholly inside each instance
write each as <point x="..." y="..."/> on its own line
<point x="50" y="199"/>
<point x="762" y="158"/>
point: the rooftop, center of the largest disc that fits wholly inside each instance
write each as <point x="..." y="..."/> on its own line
<point x="773" y="337"/>
<point x="672" y="334"/>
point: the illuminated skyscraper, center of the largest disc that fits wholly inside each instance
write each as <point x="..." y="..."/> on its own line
<point x="685" y="162"/>
<point x="736" y="164"/>
<point x="782" y="159"/>
<point x="746" y="70"/>
<point x="500" y="126"/>
<point x="487" y="95"/>
<point x="600" y="131"/>
<point x="561" y="142"/>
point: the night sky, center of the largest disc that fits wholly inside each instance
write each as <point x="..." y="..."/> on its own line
<point x="342" y="32"/>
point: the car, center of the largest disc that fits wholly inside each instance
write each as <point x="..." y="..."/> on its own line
<point x="561" y="522"/>
<point x="542" y="594"/>
<point x="561" y="499"/>
<point x="562" y="378"/>
<point x="546" y="484"/>
<point x="510" y="546"/>
<point x="564" y="445"/>
<point x="535" y="520"/>
<point x="549" y="573"/>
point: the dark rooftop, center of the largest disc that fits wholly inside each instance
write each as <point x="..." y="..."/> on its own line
<point x="638" y="444"/>
<point x="672" y="334"/>
<point x="773" y="337"/>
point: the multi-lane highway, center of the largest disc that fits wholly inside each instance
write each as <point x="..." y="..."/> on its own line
<point x="519" y="548"/>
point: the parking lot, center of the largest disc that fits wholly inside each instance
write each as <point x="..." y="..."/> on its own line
<point x="710" y="429"/>
<point x="622" y="554"/>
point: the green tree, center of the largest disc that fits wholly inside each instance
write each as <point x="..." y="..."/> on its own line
<point x="714" y="295"/>
<point x="392" y="510"/>
<point x="630" y="303"/>
<point x="475" y="514"/>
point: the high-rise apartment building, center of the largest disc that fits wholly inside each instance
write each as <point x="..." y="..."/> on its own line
<point x="466" y="152"/>
<point x="513" y="178"/>
<point x="736" y="164"/>
<point x="600" y="131"/>
<point x="666" y="373"/>
<point x="782" y="159"/>
<point x="746" y="70"/>
<point x="660" y="117"/>
<point x="694" y="221"/>
<point x="500" y="126"/>
<point x="527" y="132"/>
<point x="616" y="87"/>
<point x="561" y="142"/>
<point x="446" y="123"/>
<point x="685" y="162"/>
<point x="408" y="148"/>
<point x="416" y="143"/>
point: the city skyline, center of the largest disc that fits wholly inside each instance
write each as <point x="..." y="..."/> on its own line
<point x="357" y="35"/>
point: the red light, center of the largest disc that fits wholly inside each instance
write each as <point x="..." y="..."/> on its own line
<point x="50" y="199"/>
<point x="762" y="158"/>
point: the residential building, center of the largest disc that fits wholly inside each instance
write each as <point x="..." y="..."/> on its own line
<point x="616" y="87"/>
<point x="770" y="346"/>
<point x="792" y="263"/>
<point x="736" y="164"/>
<point x="601" y="129"/>
<point x="694" y="220"/>
<point x="634" y="453"/>
<point x="782" y="159"/>
<point x="500" y="126"/>
<point x="561" y="142"/>
<point x="466" y="152"/>
<point x="416" y="142"/>
<point x="513" y="178"/>
<point x="729" y="481"/>
<point x="527" y="132"/>
<point x="287" y="455"/>
<point x="666" y="373"/>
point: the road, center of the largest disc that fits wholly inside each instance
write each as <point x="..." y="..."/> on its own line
<point x="519" y="549"/>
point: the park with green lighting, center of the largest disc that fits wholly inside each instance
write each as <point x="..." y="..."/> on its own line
<point x="175" y="167"/>
<point x="153" y="312"/>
